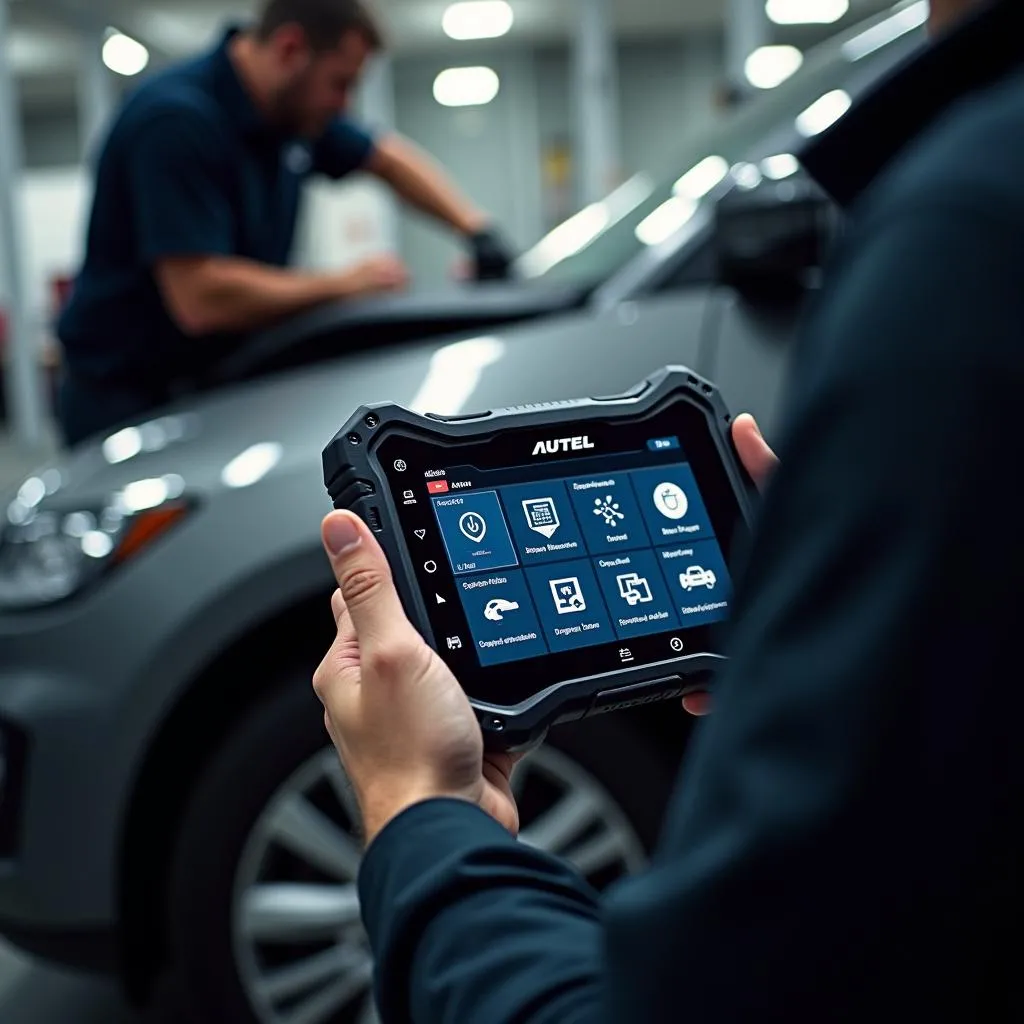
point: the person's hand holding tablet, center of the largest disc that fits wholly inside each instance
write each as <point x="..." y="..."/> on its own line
<point x="401" y="722"/>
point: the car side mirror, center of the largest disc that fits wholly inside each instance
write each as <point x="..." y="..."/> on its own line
<point x="771" y="241"/>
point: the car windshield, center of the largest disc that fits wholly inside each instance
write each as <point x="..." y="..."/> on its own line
<point x="758" y="140"/>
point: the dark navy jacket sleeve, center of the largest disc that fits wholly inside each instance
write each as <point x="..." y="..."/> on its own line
<point x="344" y="148"/>
<point x="180" y="188"/>
<point x="838" y="848"/>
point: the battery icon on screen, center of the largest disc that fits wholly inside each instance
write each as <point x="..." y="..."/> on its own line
<point x="663" y="444"/>
<point x="437" y="487"/>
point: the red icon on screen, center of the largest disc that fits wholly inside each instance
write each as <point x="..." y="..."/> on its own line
<point x="437" y="487"/>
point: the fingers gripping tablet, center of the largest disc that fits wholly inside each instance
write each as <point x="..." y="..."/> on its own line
<point x="564" y="560"/>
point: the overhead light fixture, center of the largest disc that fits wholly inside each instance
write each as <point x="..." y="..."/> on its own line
<point x="780" y="166"/>
<point x="769" y="66"/>
<point x="672" y="216"/>
<point x="699" y="180"/>
<point x="806" y="12"/>
<point x="885" y="32"/>
<point x="466" y="87"/>
<point x="478" y="19"/>
<point x="823" y="113"/>
<point x="124" y="55"/>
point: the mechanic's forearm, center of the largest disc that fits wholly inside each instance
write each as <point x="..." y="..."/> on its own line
<point x="232" y="295"/>
<point x="414" y="176"/>
<point x="469" y="926"/>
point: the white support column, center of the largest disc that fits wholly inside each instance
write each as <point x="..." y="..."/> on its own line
<point x="377" y="111"/>
<point x="747" y="28"/>
<point x="97" y="95"/>
<point x="596" y="88"/>
<point x="22" y="370"/>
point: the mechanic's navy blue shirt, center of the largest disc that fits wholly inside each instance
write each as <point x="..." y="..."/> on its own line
<point x="190" y="168"/>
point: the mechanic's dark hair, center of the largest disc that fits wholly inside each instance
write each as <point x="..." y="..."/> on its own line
<point x="323" y="21"/>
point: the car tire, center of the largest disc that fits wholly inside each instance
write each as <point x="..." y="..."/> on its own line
<point x="283" y="733"/>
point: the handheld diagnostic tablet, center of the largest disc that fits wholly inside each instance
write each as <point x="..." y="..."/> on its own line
<point x="564" y="559"/>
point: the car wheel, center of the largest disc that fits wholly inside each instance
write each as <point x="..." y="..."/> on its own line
<point x="263" y="907"/>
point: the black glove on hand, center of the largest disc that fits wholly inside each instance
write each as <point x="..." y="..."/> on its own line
<point x="492" y="258"/>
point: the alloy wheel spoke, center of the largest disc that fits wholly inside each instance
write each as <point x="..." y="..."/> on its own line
<point x="572" y="815"/>
<point x="599" y="852"/>
<point x="335" y="983"/>
<point x="368" y="1014"/>
<point x="326" y="1003"/>
<point x="294" y="912"/>
<point x="312" y="972"/>
<point x="297" y="825"/>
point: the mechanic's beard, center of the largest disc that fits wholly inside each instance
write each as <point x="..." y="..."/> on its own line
<point x="290" y="113"/>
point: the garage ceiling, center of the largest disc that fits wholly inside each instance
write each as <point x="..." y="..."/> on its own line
<point x="44" y="42"/>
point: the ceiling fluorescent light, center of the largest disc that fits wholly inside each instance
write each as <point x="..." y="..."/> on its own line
<point x="478" y="19"/>
<point x="124" y="55"/>
<point x="466" y="87"/>
<point x="806" y="12"/>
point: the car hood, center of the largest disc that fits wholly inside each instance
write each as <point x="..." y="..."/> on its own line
<point x="262" y="429"/>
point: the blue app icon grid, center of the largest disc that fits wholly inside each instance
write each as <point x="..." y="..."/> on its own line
<point x="631" y="585"/>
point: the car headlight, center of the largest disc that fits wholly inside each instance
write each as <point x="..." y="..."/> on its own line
<point x="50" y="550"/>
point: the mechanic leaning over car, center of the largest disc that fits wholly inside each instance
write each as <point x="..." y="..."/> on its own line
<point x="197" y="198"/>
<point x="849" y="841"/>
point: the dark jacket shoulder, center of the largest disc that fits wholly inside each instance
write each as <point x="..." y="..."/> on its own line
<point x="969" y="160"/>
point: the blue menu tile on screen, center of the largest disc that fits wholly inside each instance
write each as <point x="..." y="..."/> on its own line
<point x="608" y="512"/>
<point x="671" y="504"/>
<point x="501" y="617"/>
<point x="568" y="599"/>
<point x="542" y="522"/>
<point x="699" y="581"/>
<point x="636" y="593"/>
<point x="474" y="532"/>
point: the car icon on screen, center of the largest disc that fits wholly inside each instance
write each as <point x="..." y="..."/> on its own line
<point x="695" y="576"/>
<point x="495" y="610"/>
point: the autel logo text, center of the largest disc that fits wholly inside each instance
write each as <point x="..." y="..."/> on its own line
<point x="563" y="444"/>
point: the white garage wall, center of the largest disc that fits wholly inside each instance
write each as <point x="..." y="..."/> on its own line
<point x="493" y="152"/>
<point x="51" y="139"/>
<point x="53" y="205"/>
<point x="667" y="89"/>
